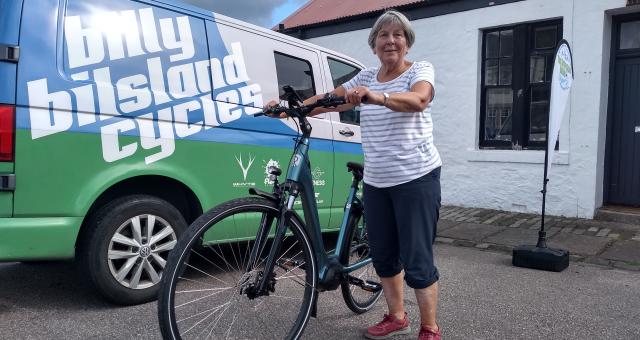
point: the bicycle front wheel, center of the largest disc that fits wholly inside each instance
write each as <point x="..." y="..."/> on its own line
<point x="208" y="288"/>
<point x="357" y="298"/>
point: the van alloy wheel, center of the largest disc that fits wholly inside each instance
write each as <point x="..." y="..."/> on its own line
<point x="125" y="245"/>
<point x="138" y="250"/>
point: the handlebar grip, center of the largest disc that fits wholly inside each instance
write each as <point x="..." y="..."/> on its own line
<point x="271" y="112"/>
<point x="331" y="100"/>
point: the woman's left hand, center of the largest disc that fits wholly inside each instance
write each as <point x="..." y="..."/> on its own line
<point x="362" y="95"/>
<point x="357" y="95"/>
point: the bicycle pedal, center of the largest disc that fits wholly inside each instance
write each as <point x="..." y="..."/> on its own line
<point x="369" y="286"/>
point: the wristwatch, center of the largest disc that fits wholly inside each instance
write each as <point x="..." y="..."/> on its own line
<point x="386" y="97"/>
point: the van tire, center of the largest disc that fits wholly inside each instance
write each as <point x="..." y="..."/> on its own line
<point x="124" y="215"/>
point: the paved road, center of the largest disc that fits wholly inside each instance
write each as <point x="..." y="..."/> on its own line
<point x="482" y="297"/>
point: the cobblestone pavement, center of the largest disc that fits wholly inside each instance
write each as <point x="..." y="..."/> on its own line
<point x="612" y="244"/>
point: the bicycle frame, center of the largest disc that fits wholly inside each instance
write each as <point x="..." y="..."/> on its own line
<point x="299" y="182"/>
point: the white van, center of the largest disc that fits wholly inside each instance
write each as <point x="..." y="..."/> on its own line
<point x="121" y="121"/>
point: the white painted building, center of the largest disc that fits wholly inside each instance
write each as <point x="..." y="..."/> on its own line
<point x="485" y="54"/>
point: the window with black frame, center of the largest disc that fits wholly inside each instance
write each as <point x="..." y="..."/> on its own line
<point x="517" y="63"/>
<point x="295" y="72"/>
<point x="340" y="74"/>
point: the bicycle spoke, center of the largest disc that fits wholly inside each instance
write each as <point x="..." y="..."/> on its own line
<point x="233" y="252"/>
<point x="198" y="299"/>
<point x="195" y="281"/>
<point x="246" y="256"/>
<point x="206" y="259"/>
<point x="220" y="255"/>
<point x="201" y="290"/>
<point x="211" y="276"/>
<point x="214" y="324"/>
<point x="199" y="322"/>
<point x="205" y="311"/>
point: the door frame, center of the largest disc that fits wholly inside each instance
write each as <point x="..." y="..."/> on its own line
<point x="614" y="57"/>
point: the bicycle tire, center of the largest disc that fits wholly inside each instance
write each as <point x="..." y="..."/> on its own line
<point x="257" y="318"/>
<point x="357" y="248"/>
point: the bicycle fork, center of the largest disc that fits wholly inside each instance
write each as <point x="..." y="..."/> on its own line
<point x="264" y="282"/>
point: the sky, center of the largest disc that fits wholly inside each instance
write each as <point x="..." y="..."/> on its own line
<point x="265" y="13"/>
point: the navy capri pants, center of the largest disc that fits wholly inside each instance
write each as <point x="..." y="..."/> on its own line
<point x="402" y="223"/>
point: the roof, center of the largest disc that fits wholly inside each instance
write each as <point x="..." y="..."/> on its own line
<point x="319" y="11"/>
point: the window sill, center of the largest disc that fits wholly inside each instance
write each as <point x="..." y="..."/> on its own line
<point x="513" y="156"/>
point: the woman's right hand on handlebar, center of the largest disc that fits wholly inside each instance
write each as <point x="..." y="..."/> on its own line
<point x="270" y="105"/>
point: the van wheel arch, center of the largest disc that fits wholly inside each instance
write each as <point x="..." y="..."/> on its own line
<point x="168" y="189"/>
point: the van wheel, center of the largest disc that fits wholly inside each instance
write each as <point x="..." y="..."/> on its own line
<point x="126" y="248"/>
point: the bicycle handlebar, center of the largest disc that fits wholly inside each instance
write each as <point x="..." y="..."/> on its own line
<point x="302" y="111"/>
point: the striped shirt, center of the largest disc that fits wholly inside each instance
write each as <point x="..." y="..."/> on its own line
<point x="398" y="146"/>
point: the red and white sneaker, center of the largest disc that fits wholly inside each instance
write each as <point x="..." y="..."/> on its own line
<point x="388" y="327"/>
<point x="427" y="333"/>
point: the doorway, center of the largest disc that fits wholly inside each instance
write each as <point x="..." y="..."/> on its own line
<point x="622" y="169"/>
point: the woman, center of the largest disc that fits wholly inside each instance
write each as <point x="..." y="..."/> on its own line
<point x="402" y="173"/>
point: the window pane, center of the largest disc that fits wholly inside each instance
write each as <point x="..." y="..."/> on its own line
<point x="350" y="117"/>
<point x="539" y="113"/>
<point x="505" y="71"/>
<point x="550" y="62"/>
<point x="545" y="37"/>
<point x="493" y="44"/>
<point x="294" y="72"/>
<point x="497" y="123"/>
<point x="506" y="43"/>
<point x="341" y="72"/>
<point x="491" y="72"/>
<point x="537" y="69"/>
<point x="630" y="35"/>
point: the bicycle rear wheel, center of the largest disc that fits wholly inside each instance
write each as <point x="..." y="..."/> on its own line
<point x="205" y="292"/>
<point x="358" y="299"/>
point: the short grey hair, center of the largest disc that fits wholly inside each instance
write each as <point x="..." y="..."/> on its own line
<point x="392" y="17"/>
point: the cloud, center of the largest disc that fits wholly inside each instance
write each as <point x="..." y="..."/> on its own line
<point x="259" y="12"/>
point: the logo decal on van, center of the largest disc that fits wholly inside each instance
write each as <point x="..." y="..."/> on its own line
<point x="269" y="164"/>
<point x="171" y="98"/>
<point x="245" y="169"/>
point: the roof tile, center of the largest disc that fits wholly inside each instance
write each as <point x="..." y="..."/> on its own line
<point x="317" y="11"/>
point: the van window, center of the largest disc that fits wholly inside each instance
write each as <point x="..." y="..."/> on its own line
<point x="295" y="72"/>
<point x="340" y="74"/>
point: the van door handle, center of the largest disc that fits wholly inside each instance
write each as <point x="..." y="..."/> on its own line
<point x="346" y="132"/>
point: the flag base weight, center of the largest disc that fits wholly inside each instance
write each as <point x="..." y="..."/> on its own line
<point x="549" y="259"/>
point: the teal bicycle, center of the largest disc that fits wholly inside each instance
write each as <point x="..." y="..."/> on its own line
<point x="266" y="285"/>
